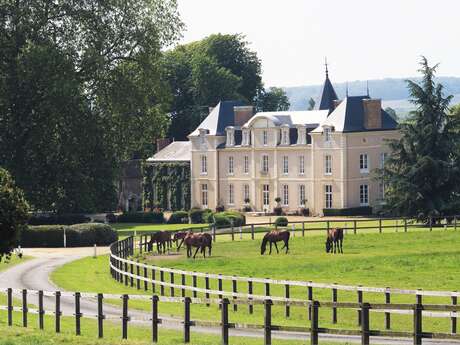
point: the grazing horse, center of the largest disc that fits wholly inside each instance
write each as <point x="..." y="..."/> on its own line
<point x="179" y="236"/>
<point x="163" y="241"/>
<point x="275" y="236"/>
<point x="334" y="240"/>
<point x="199" y="241"/>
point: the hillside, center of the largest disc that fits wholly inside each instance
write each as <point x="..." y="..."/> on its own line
<point x="392" y="91"/>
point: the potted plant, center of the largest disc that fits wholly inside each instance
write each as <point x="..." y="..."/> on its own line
<point x="278" y="210"/>
<point x="304" y="211"/>
<point x="247" y="207"/>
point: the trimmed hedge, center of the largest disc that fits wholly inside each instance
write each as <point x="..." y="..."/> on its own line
<point x="199" y="216"/>
<point x="178" y="217"/>
<point x="226" y="218"/>
<point x="352" y="211"/>
<point x="58" y="219"/>
<point x="281" y="221"/>
<point x="78" y="235"/>
<point x="155" y="217"/>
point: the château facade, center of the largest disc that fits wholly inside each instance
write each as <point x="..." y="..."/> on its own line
<point x="316" y="159"/>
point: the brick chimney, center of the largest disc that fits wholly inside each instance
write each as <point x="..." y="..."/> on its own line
<point x="243" y="114"/>
<point x="162" y="143"/>
<point x="372" y="113"/>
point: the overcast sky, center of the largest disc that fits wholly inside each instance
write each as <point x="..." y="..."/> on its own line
<point x="362" y="39"/>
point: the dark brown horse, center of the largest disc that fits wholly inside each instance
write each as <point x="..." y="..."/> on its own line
<point x="200" y="241"/>
<point x="163" y="241"/>
<point x="334" y="240"/>
<point x="275" y="236"/>
<point x="179" y="236"/>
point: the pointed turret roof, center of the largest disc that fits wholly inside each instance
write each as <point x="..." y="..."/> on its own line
<point x="328" y="95"/>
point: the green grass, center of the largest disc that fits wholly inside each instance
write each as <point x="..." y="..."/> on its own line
<point x="14" y="260"/>
<point x="427" y="260"/>
<point x="130" y="228"/>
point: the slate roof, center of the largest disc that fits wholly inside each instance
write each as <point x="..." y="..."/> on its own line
<point x="219" y="118"/>
<point x="177" y="151"/>
<point x="349" y="117"/>
<point x="328" y="96"/>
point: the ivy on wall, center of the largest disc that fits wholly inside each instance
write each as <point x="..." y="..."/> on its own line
<point x="167" y="185"/>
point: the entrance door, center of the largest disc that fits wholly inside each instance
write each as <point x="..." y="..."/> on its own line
<point x="266" y="197"/>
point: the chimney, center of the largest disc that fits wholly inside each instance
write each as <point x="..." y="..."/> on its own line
<point x="242" y="114"/>
<point x="162" y="143"/>
<point x="372" y="113"/>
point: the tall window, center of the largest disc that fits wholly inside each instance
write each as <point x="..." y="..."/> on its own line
<point x="204" y="195"/>
<point x="301" y="165"/>
<point x="265" y="138"/>
<point x="302" y="195"/>
<point x="230" y="165"/>
<point x="246" y="192"/>
<point x="328" y="165"/>
<point x="363" y="163"/>
<point x="204" y="165"/>
<point x="246" y="165"/>
<point x="285" y="165"/>
<point x="285" y="195"/>
<point x="265" y="164"/>
<point x="328" y="195"/>
<point x="231" y="194"/>
<point x="266" y="195"/>
<point x="246" y="140"/>
<point x="285" y="136"/>
<point x="230" y="137"/>
<point x="327" y="134"/>
<point x="382" y="191"/>
<point x="364" y="195"/>
<point x="383" y="157"/>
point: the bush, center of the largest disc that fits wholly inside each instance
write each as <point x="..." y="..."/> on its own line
<point x="154" y="217"/>
<point x="178" y="217"/>
<point x="352" y="211"/>
<point x="225" y="219"/>
<point x="199" y="216"/>
<point x="78" y="235"/>
<point x="281" y="221"/>
<point x="58" y="219"/>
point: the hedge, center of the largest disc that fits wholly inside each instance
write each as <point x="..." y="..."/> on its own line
<point x="352" y="211"/>
<point x="178" y="217"/>
<point x="281" y="221"/>
<point x="199" y="216"/>
<point x="78" y="235"/>
<point x="155" y="217"/>
<point x="58" y="219"/>
<point x="226" y="218"/>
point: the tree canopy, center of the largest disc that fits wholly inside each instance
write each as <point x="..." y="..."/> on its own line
<point x="273" y="99"/>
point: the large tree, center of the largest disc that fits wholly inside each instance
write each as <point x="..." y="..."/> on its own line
<point x="422" y="172"/>
<point x="273" y="99"/>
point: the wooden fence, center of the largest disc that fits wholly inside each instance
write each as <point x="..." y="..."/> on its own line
<point x="311" y="331"/>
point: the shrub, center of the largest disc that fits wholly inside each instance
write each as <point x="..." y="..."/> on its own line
<point x="58" y="219"/>
<point x="225" y="219"/>
<point x="154" y="217"/>
<point x="352" y="211"/>
<point x="305" y="211"/>
<point x="281" y="221"/>
<point x="199" y="216"/>
<point x="278" y="211"/>
<point x="78" y="235"/>
<point x="178" y="217"/>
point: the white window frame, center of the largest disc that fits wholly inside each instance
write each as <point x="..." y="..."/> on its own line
<point x="383" y="157"/>
<point x="231" y="194"/>
<point x="265" y="167"/>
<point x="246" y="192"/>
<point x="285" y="165"/>
<point x="204" y="164"/>
<point x="328" y="195"/>
<point x="204" y="195"/>
<point x="246" y="136"/>
<point x="246" y="164"/>
<point x="231" y="165"/>
<point x="266" y="196"/>
<point x="382" y="188"/>
<point x="364" y="195"/>
<point x="328" y="165"/>
<point x="302" y="195"/>
<point x="364" y="163"/>
<point x="230" y="137"/>
<point x="301" y="165"/>
<point x="285" y="195"/>
<point x="327" y="134"/>
<point x="285" y="136"/>
<point x="265" y="137"/>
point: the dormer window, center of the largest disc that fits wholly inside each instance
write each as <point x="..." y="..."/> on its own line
<point x="246" y="137"/>
<point x="327" y="134"/>
<point x="285" y="135"/>
<point x="301" y="135"/>
<point x="265" y="137"/>
<point x="230" y="136"/>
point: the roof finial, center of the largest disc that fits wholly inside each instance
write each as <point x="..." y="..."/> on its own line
<point x="367" y="87"/>
<point x="347" y="90"/>
<point x="325" y="64"/>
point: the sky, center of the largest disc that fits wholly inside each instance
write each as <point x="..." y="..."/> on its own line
<point x="362" y="40"/>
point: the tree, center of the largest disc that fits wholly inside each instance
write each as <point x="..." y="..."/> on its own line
<point x="13" y="214"/>
<point x="311" y="103"/>
<point x="273" y="99"/>
<point x="422" y="172"/>
<point x="392" y="113"/>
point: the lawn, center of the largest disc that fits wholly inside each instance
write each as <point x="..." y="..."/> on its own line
<point x="427" y="260"/>
<point x="130" y="228"/>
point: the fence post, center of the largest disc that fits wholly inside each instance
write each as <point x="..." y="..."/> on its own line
<point x="418" y="324"/>
<point x="287" y="311"/>
<point x="100" y="316"/>
<point x="252" y="231"/>
<point x="194" y="284"/>
<point x="140" y="244"/>
<point x="58" y="312"/>
<point x="24" y="308"/>
<point x="214" y="233"/>
<point x="250" y="306"/>
<point x="146" y="284"/>
<point x="77" y="314"/>
<point x="380" y="225"/>
<point x="162" y="279"/>
<point x="153" y="280"/>
<point x="455" y="222"/>
<point x="187" y="302"/>
<point x="132" y="273"/>
<point x="235" y="290"/>
<point x="233" y="233"/>
<point x="310" y="299"/>
<point x="314" y="307"/>
<point x="154" y="318"/>
<point x="171" y="279"/>
<point x="268" y="322"/>
<point x="219" y="285"/>
<point x="360" y="301"/>
<point x="365" y="324"/>
<point x="126" y="276"/>
<point x="138" y="272"/>
<point x="327" y="225"/>
<point x="405" y="225"/>
<point x="41" y="310"/>
<point x="267" y="288"/>
<point x="125" y="317"/>
<point x="224" y="320"/>
<point x="183" y="284"/>
<point x="10" y="306"/>
<point x="334" y="308"/>
<point x="387" y="314"/>
<point x="354" y="227"/>
<point x="453" y="328"/>
<point x="206" y="285"/>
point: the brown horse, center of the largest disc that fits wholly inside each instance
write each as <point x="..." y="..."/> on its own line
<point x="199" y="241"/>
<point x="275" y="236"/>
<point x="179" y="236"/>
<point x="334" y="240"/>
<point x="163" y="241"/>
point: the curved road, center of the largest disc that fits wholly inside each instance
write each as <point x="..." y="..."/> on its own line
<point x="34" y="275"/>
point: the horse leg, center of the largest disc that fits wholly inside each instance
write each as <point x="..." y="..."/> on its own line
<point x="270" y="248"/>
<point x="286" y="244"/>
<point x="276" y="246"/>
<point x="196" y="251"/>
<point x="180" y="244"/>
<point x="341" y="247"/>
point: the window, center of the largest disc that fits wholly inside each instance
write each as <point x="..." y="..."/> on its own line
<point x="301" y="165"/>
<point x="230" y="165"/>
<point x="204" y="195"/>
<point x="231" y="194"/>
<point x="363" y="163"/>
<point x="327" y="134"/>
<point x="246" y="193"/>
<point x="328" y="165"/>
<point x="285" y="136"/>
<point x="285" y="165"/>
<point x="382" y="188"/>
<point x="266" y="195"/>
<point x="302" y="198"/>
<point x="285" y="195"/>
<point x="328" y="192"/>
<point x="265" y="164"/>
<point x="246" y="165"/>
<point x="230" y="137"/>
<point x="301" y="136"/>
<point x="383" y="157"/>
<point x="364" y="195"/>
<point x="204" y="165"/>
<point x="265" y="138"/>
<point x="246" y="140"/>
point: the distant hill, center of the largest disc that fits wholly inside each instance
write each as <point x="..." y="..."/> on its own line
<point x="392" y="91"/>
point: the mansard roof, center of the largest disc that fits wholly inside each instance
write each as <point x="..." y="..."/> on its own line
<point x="177" y="151"/>
<point x="328" y="95"/>
<point x="310" y="118"/>
<point x="219" y="118"/>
